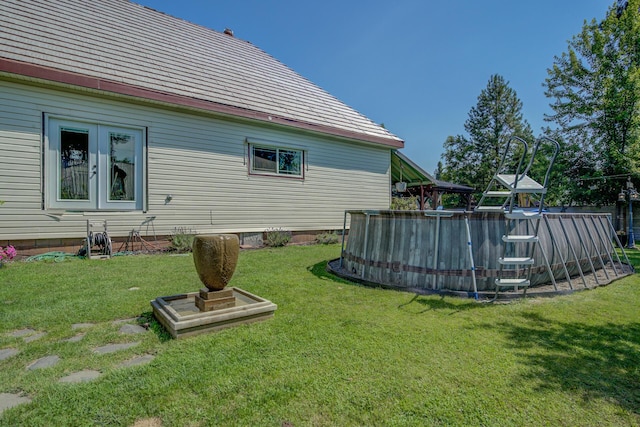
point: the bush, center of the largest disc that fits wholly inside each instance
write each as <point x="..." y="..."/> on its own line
<point x="327" y="238"/>
<point x="182" y="239"/>
<point x="404" y="204"/>
<point x="275" y="237"/>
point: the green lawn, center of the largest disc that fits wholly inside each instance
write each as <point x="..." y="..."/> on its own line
<point x="335" y="354"/>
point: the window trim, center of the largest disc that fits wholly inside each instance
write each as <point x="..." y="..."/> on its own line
<point x="99" y="200"/>
<point x="270" y="146"/>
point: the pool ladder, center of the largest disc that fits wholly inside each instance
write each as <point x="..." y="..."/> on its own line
<point x="521" y="226"/>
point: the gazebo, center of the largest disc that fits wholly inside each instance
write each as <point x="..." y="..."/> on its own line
<point x="410" y="179"/>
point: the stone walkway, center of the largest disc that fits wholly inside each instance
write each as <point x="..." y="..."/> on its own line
<point x="28" y="335"/>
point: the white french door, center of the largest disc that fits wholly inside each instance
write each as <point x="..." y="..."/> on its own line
<point x="93" y="166"/>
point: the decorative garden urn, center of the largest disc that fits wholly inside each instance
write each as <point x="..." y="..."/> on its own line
<point x="215" y="257"/>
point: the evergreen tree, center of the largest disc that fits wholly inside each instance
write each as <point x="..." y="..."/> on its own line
<point x="497" y="116"/>
<point x="595" y="88"/>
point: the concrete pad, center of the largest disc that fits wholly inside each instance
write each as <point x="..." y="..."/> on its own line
<point x="8" y="400"/>
<point x="136" y="361"/>
<point x="44" y="362"/>
<point x="6" y="353"/>
<point x="132" y="329"/>
<point x="81" y="325"/>
<point x="112" y="348"/>
<point x="80" y="377"/>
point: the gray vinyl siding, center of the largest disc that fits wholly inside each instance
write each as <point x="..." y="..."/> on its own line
<point x="201" y="161"/>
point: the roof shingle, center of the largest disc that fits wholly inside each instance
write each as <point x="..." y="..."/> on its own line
<point x="117" y="41"/>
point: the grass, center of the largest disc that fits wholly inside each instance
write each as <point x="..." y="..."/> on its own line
<point x="335" y="353"/>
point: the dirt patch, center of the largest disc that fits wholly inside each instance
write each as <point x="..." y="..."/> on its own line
<point x="148" y="422"/>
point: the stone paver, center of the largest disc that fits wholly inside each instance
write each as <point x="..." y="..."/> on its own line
<point x="23" y="332"/>
<point x="120" y="321"/>
<point x="132" y="329"/>
<point x="80" y="377"/>
<point x="81" y="325"/>
<point x="44" y="362"/>
<point x="111" y="348"/>
<point x="134" y="288"/>
<point x="75" y="338"/>
<point x="9" y="400"/>
<point x="136" y="361"/>
<point x="6" y="353"/>
<point x="34" y="337"/>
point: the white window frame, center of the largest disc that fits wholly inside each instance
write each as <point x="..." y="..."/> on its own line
<point x="98" y="165"/>
<point x="254" y="170"/>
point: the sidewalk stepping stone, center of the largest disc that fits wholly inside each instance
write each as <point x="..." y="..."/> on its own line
<point x="8" y="400"/>
<point x="44" y="362"/>
<point x="140" y="360"/>
<point x="6" y="353"/>
<point x="80" y="377"/>
<point x="75" y="338"/>
<point x="23" y="332"/>
<point x="34" y="337"/>
<point x="81" y="325"/>
<point x="132" y="329"/>
<point x="119" y="321"/>
<point x="112" y="348"/>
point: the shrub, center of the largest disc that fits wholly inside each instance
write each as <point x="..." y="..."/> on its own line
<point x="275" y="237"/>
<point x="327" y="238"/>
<point x="182" y="239"/>
<point x="404" y="204"/>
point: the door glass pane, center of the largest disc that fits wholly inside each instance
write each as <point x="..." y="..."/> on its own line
<point x="122" y="166"/>
<point x="74" y="164"/>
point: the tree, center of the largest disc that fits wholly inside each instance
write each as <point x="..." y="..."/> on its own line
<point x="595" y="88"/>
<point x="496" y="117"/>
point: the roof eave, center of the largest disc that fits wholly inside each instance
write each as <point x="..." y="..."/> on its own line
<point x="25" y="69"/>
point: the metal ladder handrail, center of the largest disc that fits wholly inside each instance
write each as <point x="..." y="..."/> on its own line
<point x="510" y="227"/>
<point x="503" y="160"/>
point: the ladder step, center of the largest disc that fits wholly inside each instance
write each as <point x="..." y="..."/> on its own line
<point x="524" y="185"/>
<point x="498" y="193"/>
<point x="513" y="282"/>
<point x="520" y="239"/>
<point x="516" y="261"/>
<point x="489" y="209"/>
<point x="522" y="215"/>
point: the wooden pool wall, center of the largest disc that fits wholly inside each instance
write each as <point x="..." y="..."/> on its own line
<point x="429" y="249"/>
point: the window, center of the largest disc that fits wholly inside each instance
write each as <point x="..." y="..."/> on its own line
<point x="94" y="167"/>
<point x="276" y="161"/>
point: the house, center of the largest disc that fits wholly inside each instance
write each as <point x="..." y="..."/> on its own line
<point x="114" y="111"/>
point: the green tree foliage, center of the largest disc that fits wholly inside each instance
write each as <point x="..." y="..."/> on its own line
<point x="473" y="160"/>
<point x="595" y="88"/>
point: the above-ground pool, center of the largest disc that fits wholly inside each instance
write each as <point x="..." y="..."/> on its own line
<point x="428" y="251"/>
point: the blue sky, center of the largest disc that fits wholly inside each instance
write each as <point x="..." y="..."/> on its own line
<point x="417" y="66"/>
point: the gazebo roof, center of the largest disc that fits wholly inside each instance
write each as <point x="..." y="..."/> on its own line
<point x="404" y="169"/>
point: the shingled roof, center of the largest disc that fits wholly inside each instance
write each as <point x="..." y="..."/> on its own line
<point x="121" y="47"/>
